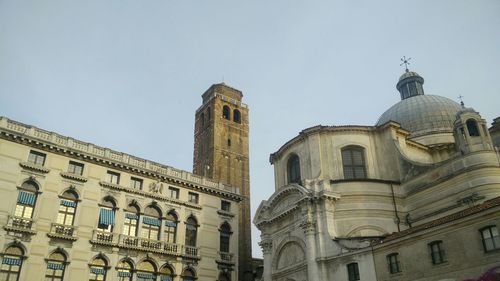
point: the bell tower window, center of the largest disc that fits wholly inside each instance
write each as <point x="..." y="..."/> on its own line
<point x="293" y="169"/>
<point x="226" y="113"/>
<point x="472" y="128"/>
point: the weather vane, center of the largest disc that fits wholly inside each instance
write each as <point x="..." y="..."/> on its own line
<point x="461" y="100"/>
<point x="406" y="62"/>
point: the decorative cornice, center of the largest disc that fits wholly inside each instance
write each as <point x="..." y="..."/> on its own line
<point x="73" y="176"/>
<point x="148" y="194"/>
<point x="34" y="167"/>
<point x="53" y="142"/>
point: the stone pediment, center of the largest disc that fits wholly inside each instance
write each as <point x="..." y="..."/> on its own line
<point x="282" y="202"/>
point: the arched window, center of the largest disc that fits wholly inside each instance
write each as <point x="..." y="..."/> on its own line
<point x="67" y="208"/>
<point x="226" y="112"/>
<point x="472" y="128"/>
<point x="225" y="235"/>
<point x="26" y="200"/>
<point x="98" y="269"/>
<point x="353" y="161"/>
<point x="146" y="271"/>
<point x="131" y="223"/>
<point x="166" y="273"/>
<point x="171" y="227"/>
<point x="293" y="169"/>
<point x="12" y="261"/>
<point x="188" y="275"/>
<point x="56" y="263"/>
<point x="151" y="222"/>
<point x="191" y="232"/>
<point x="124" y="270"/>
<point x="202" y="118"/>
<point x="107" y="215"/>
<point x="236" y="116"/>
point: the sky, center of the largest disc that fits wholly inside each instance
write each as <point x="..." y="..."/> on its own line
<point x="129" y="74"/>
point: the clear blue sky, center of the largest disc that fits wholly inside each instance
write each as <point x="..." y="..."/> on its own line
<point x="128" y="75"/>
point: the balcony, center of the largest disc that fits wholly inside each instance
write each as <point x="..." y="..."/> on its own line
<point x="62" y="231"/>
<point x="104" y="238"/>
<point x="191" y="252"/>
<point x="148" y="245"/>
<point x="226" y="258"/>
<point x="20" y="224"/>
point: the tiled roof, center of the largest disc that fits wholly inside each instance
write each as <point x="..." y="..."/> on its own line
<point x="458" y="215"/>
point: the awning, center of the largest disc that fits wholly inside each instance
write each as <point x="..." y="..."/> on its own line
<point x="145" y="275"/>
<point x="124" y="274"/>
<point x="166" y="278"/>
<point x="11" y="261"/>
<point x="131" y="216"/>
<point x="151" y="221"/>
<point x="107" y="217"/>
<point x="26" y="198"/>
<point x="68" y="203"/>
<point x="98" y="271"/>
<point x="170" y="223"/>
<point x="55" y="266"/>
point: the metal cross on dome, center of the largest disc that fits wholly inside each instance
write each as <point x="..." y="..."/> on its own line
<point x="406" y="62"/>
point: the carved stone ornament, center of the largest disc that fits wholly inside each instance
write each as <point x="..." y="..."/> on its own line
<point x="267" y="246"/>
<point x="156" y="187"/>
<point x="308" y="226"/>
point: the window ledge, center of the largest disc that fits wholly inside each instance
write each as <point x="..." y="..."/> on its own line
<point x="192" y="205"/>
<point x="34" y="167"/>
<point x="225" y="213"/>
<point x="72" y="176"/>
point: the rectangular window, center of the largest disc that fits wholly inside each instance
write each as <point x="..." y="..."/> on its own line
<point x="193" y="197"/>
<point x="437" y="252"/>
<point x="173" y="192"/>
<point x="353" y="271"/>
<point x="490" y="237"/>
<point x="75" y="168"/>
<point x="136" y="183"/>
<point x="37" y="158"/>
<point x="113" y="177"/>
<point x="393" y="263"/>
<point x="225" y="206"/>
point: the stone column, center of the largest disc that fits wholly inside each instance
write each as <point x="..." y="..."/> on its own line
<point x="309" y="227"/>
<point x="267" y="251"/>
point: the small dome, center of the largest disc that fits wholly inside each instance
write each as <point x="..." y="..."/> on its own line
<point x="423" y="115"/>
<point x="408" y="74"/>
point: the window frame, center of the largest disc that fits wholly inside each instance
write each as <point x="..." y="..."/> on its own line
<point x="436" y="250"/>
<point x="495" y="240"/>
<point x="225" y="206"/>
<point x="74" y="166"/>
<point x="35" y="156"/>
<point x="350" y="170"/>
<point x="193" y="198"/>
<point x="113" y="177"/>
<point x="353" y="271"/>
<point x="8" y="268"/>
<point x="293" y="169"/>
<point x="393" y="263"/>
<point x="136" y="183"/>
<point x="52" y="275"/>
<point x="173" y="191"/>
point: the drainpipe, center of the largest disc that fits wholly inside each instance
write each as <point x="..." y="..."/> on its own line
<point x="398" y="220"/>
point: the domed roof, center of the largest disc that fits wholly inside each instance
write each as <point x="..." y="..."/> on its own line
<point x="423" y="114"/>
<point x="408" y="74"/>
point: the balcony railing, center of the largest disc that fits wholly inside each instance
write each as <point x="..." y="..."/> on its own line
<point x="149" y="245"/>
<point x="20" y="224"/>
<point x="62" y="231"/>
<point x="104" y="238"/>
<point x="226" y="257"/>
<point x="143" y="244"/>
<point x="191" y="252"/>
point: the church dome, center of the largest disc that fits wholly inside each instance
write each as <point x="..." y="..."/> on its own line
<point x="428" y="118"/>
<point x="423" y="115"/>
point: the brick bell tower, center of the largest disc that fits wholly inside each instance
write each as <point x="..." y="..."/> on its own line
<point x="221" y="153"/>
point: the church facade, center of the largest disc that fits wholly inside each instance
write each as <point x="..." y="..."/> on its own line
<point x="414" y="197"/>
<point x="76" y="211"/>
